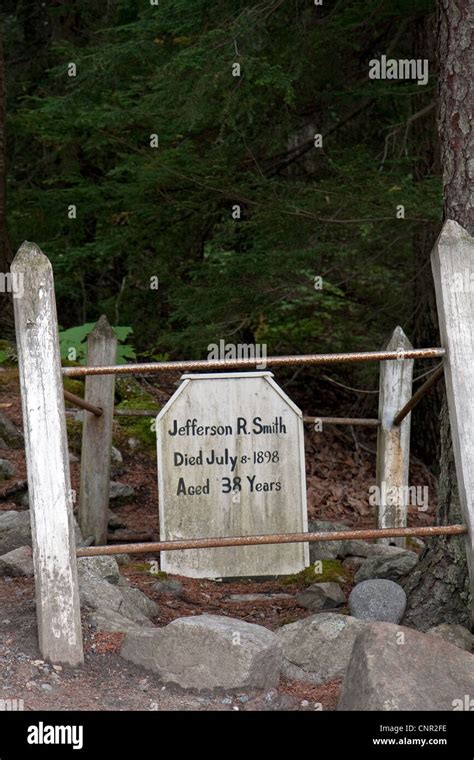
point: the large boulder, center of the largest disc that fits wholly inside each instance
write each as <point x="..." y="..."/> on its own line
<point x="318" y="648"/>
<point x="379" y="600"/>
<point x="398" y="668"/>
<point x="393" y="566"/>
<point x="454" y="633"/>
<point x="208" y="652"/>
<point x="18" y="562"/>
<point x="321" y="596"/>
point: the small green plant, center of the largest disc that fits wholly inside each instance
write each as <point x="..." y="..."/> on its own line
<point x="73" y="343"/>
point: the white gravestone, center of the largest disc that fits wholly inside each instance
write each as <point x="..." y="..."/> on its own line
<point x="231" y="463"/>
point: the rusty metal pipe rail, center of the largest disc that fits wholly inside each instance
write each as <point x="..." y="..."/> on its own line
<point x="274" y="538"/>
<point x="274" y="361"/>
<point x="368" y="422"/>
<point x="82" y="403"/>
<point x="419" y="395"/>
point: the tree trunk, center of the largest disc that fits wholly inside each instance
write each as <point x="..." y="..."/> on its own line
<point x="425" y="333"/>
<point x="439" y="587"/>
<point x="6" y="303"/>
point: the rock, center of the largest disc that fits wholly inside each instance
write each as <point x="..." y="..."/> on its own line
<point x="24" y="500"/>
<point x="10" y="434"/>
<point x="103" y="566"/>
<point x="116" y="456"/>
<point x="418" y="672"/>
<point x="98" y="594"/>
<point x="353" y="563"/>
<point x="321" y="596"/>
<point x="7" y="469"/>
<point x="318" y="648"/>
<point x="208" y="652"/>
<point x="378" y="599"/>
<point x="360" y="548"/>
<point x="15" y="530"/>
<point x="325" y="549"/>
<point x="169" y="587"/>
<point x="120" y="491"/>
<point x="134" y="599"/>
<point x="113" y="622"/>
<point x="72" y="458"/>
<point x="456" y="634"/>
<point x="393" y="567"/>
<point x="123" y="559"/>
<point x="258" y="597"/>
<point x="114" y="521"/>
<point x="18" y="562"/>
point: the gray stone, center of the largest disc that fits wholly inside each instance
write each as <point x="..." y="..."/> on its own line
<point x="10" y="434"/>
<point x="379" y="600"/>
<point x="103" y="566"/>
<point x="321" y="596"/>
<point x="353" y="563"/>
<point x="419" y="672"/>
<point x="318" y="648"/>
<point x="169" y="587"/>
<point x="360" y="548"/>
<point x="116" y="456"/>
<point x="325" y="549"/>
<point x="258" y="597"/>
<point x="208" y="652"/>
<point x="15" y="530"/>
<point x="7" y="469"/>
<point x="455" y="634"/>
<point x="393" y="567"/>
<point x="123" y="559"/>
<point x="73" y="459"/>
<point x="98" y="594"/>
<point x="134" y="599"/>
<point x="114" y="521"/>
<point x="24" y="499"/>
<point x="120" y="491"/>
<point x="113" y="622"/>
<point x="17" y="562"/>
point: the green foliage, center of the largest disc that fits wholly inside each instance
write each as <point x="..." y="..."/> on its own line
<point x="75" y="339"/>
<point x="167" y="212"/>
<point x="331" y="570"/>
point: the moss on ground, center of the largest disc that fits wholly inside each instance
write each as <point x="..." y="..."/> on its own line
<point x="321" y="572"/>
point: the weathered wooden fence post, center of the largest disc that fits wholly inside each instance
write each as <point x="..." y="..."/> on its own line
<point x="97" y="435"/>
<point x="453" y="271"/>
<point x="52" y="528"/>
<point x="393" y="442"/>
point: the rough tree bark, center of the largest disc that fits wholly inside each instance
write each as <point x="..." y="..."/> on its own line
<point x="425" y="332"/>
<point x="6" y="302"/>
<point x="439" y="588"/>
